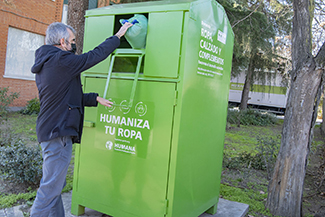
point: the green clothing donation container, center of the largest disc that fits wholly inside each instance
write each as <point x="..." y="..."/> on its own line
<point x="158" y="151"/>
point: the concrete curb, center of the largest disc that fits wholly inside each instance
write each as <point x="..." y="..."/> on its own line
<point x="11" y="212"/>
<point x="226" y="208"/>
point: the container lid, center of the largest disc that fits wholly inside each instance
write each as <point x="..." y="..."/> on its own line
<point x="143" y="7"/>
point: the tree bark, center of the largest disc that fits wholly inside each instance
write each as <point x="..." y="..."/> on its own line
<point x="246" y="88"/>
<point x="301" y="32"/>
<point x="286" y="185"/>
<point x="76" y="19"/>
<point x="247" y="85"/>
<point x="320" y="60"/>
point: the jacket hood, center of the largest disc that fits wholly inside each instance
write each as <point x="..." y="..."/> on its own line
<point x="42" y="55"/>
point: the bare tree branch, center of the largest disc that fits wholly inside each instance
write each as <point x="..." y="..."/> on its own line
<point x="319" y="23"/>
<point x="320" y="58"/>
<point x="245" y="17"/>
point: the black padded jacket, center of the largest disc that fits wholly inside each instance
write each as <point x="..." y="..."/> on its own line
<point x="61" y="97"/>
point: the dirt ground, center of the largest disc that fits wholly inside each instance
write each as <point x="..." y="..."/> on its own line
<point x="314" y="186"/>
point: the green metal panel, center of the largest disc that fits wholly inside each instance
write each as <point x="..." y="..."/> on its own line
<point x="128" y="169"/>
<point x="169" y="164"/>
<point x="93" y="37"/>
<point x="201" y="115"/>
<point x="165" y="39"/>
<point x="141" y="7"/>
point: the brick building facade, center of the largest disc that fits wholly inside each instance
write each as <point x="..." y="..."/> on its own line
<point x="27" y="17"/>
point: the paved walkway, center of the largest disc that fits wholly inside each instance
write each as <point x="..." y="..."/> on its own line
<point x="226" y="208"/>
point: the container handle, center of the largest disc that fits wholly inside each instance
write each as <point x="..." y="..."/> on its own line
<point x="136" y="76"/>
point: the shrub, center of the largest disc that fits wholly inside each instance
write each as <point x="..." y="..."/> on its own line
<point x="32" y="107"/>
<point x="267" y="151"/>
<point x="20" y="163"/>
<point x="244" y="159"/>
<point x="7" y="137"/>
<point x="6" y="99"/>
<point x="251" y="117"/>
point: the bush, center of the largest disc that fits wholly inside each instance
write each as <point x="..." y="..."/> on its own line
<point x="20" y="163"/>
<point x="267" y="151"/>
<point x="7" y="137"/>
<point x="32" y="107"/>
<point x="251" y="117"/>
<point x="5" y="100"/>
<point x="245" y="159"/>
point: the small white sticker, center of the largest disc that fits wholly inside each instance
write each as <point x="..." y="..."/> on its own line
<point x="222" y="37"/>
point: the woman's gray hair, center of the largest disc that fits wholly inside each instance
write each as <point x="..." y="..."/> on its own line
<point x="56" y="31"/>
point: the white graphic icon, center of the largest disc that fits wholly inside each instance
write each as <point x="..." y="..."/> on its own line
<point x="124" y="108"/>
<point x="109" y="145"/>
<point x="110" y="109"/>
<point x="141" y="109"/>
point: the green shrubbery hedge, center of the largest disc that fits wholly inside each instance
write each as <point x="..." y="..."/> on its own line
<point x="19" y="162"/>
<point x="32" y="107"/>
<point x="250" y="117"/>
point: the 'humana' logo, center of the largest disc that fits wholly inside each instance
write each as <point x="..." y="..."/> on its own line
<point x="125" y="148"/>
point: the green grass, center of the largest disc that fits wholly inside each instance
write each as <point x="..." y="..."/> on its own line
<point x="12" y="199"/>
<point x="240" y="185"/>
<point x="244" y="139"/>
<point x="239" y="142"/>
<point x="254" y="198"/>
<point x="25" y="125"/>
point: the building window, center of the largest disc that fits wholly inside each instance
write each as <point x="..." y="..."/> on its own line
<point x="65" y="14"/>
<point x="20" y="56"/>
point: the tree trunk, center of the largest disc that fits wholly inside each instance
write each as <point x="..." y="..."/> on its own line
<point x="286" y="186"/>
<point x="247" y="85"/>
<point x="245" y="93"/>
<point x="301" y="32"/>
<point x="320" y="61"/>
<point x="76" y="19"/>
